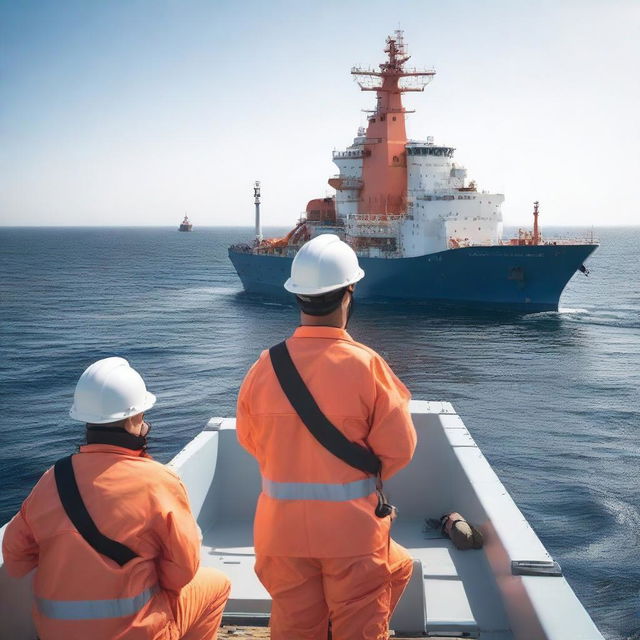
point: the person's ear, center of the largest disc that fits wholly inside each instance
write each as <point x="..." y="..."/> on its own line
<point x="133" y="424"/>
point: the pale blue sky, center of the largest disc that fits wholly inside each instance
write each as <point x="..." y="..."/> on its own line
<point x="131" y="112"/>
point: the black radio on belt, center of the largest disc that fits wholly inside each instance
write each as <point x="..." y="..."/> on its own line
<point x="384" y="509"/>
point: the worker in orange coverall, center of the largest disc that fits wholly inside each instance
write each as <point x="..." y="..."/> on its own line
<point x="321" y="551"/>
<point x="159" y="593"/>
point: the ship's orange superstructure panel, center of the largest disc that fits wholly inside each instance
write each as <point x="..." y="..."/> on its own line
<point x="321" y="210"/>
<point x="384" y="167"/>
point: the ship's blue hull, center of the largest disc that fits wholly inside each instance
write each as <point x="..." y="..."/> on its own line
<point x="514" y="278"/>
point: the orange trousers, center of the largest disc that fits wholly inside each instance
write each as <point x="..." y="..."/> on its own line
<point x="358" y="594"/>
<point x="198" y="608"/>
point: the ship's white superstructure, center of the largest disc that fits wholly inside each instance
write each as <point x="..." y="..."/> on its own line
<point x="444" y="210"/>
<point x="348" y="182"/>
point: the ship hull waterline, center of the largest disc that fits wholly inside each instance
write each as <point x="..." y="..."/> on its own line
<point x="527" y="279"/>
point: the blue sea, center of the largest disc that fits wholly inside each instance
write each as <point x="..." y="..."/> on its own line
<point x="551" y="398"/>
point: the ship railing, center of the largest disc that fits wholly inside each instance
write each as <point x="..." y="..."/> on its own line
<point x="366" y="218"/>
<point x="524" y="240"/>
<point x="354" y="153"/>
<point x="241" y="247"/>
<point x="338" y="222"/>
<point x="372" y="226"/>
<point x="587" y="237"/>
<point x="446" y="196"/>
<point x="372" y="232"/>
<point x="564" y="241"/>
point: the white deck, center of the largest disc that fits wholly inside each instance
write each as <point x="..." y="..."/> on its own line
<point x="453" y="593"/>
<point x="458" y="593"/>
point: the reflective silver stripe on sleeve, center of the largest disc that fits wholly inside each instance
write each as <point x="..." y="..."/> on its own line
<point x="318" y="490"/>
<point x="95" y="609"/>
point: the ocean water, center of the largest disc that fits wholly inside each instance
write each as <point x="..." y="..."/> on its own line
<point x="551" y="398"/>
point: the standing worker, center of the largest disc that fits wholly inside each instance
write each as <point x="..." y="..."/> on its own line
<point x="324" y="415"/>
<point x="110" y="532"/>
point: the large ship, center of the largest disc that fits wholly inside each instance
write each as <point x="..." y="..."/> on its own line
<point x="421" y="229"/>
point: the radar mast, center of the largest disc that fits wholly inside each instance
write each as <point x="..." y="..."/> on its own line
<point x="384" y="170"/>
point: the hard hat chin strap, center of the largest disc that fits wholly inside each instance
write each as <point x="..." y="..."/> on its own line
<point x="116" y="436"/>
<point x="349" y="310"/>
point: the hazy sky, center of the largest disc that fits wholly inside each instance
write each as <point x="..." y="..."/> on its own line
<point x="131" y="112"/>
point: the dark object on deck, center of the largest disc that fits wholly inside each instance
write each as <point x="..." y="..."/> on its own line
<point x="463" y="535"/>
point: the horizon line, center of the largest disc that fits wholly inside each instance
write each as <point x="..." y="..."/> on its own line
<point x="231" y="226"/>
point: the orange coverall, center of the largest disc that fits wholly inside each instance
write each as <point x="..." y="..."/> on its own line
<point x="81" y="594"/>
<point x="321" y="552"/>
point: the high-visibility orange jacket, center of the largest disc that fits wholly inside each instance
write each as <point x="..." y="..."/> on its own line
<point x="82" y="594"/>
<point x="313" y="504"/>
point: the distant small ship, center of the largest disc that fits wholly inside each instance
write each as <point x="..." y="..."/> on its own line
<point x="185" y="225"/>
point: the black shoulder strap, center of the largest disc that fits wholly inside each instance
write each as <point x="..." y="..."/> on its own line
<point x="329" y="436"/>
<point x="80" y="517"/>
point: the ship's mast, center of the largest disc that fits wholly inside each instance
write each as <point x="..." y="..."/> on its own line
<point x="384" y="169"/>
<point x="256" y="200"/>
<point x="536" y="229"/>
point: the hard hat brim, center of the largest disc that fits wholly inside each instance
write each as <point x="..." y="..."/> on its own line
<point x="291" y="287"/>
<point x="149" y="401"/>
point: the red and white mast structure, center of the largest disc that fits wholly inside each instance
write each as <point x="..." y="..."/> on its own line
<point x="384" y="168"/>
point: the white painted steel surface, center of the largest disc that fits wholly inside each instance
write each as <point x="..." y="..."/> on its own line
<point x="437" y="209"/>
<point x="470" y="593"/>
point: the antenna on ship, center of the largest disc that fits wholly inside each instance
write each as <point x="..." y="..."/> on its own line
<point x="256" y="196"/>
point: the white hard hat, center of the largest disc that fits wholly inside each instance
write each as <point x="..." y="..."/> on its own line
<point x="323" y="264"/>
<point x="110" y="390"/>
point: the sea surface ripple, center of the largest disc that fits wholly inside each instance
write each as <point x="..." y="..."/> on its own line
<point x="551" y="398"/>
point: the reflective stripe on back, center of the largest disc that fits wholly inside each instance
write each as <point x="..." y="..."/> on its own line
<point x="95" y="609"/>
<point x="318" y="490"/>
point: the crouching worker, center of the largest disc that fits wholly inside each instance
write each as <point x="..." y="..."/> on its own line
<point x="327" y="420"/>
<point x="110" y="532"/>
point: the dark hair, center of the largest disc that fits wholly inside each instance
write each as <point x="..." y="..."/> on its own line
<point x="323" y="304"/>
